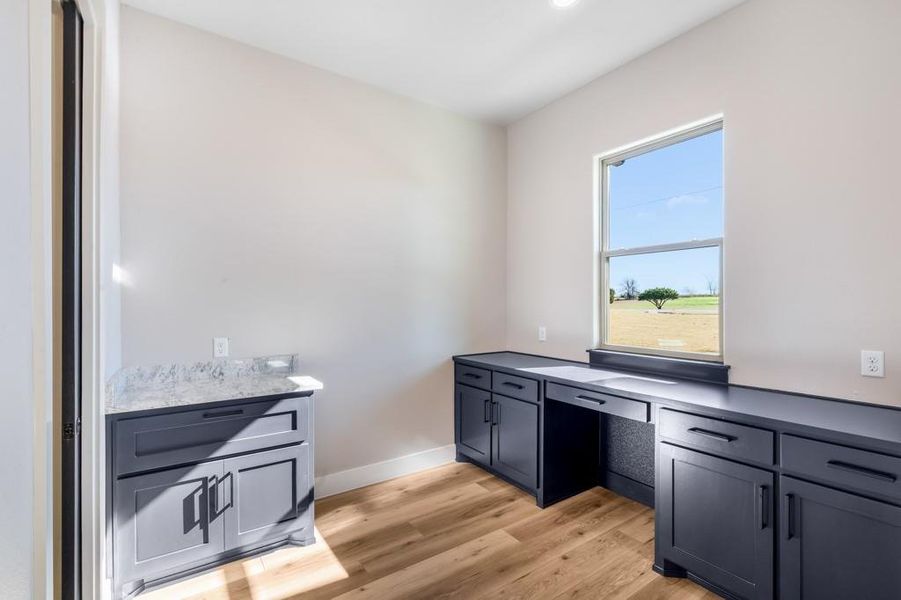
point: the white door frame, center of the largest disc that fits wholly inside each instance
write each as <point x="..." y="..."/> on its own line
<point x="45" y="470"/>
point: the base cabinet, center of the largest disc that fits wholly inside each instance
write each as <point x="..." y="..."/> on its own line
<point x="180" y="504"/>
<point x="515" y="439"/>
<point x="267" y="495"/>
<point x="836" y="545"/>
<point x="178" y="519"/>
<point x="715" y="521"/>
<point x="472" y="409"/>
<point x="499" y="432"/>
<point x="164" y="521"/>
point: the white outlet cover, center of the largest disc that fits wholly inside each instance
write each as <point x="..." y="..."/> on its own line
<point x="872" y="363"/>
<point x="220" y="347"/>
<point x="542" y="333"/>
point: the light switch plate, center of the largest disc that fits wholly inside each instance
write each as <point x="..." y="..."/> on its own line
<point x="542" y="333"/>
<point x="872" y="363"/>
<point x="220" y="347"/>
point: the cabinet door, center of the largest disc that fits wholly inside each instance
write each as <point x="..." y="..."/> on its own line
<point x="715" y="520"/>
<point x="472" y="409"/>
<point x="266" y="496"/>
<point x="164" y="522"/>
<point x="515" y="437"/>
<point x="837" y="545"/>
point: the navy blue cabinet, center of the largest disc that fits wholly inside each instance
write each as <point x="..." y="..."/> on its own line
<point x="515" y="439"/>
<point x="836" y="545"/>
<point x="472" y="408"/>
<point x="248" y="485"/>
<point x="164" y="521"/>
<point x="715" y="521"/>
<point x="498" y="429"/>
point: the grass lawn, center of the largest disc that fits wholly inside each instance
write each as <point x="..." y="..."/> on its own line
<point x="685" y="325"/>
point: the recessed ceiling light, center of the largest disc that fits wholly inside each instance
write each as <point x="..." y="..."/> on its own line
<point x="563" y="3"/>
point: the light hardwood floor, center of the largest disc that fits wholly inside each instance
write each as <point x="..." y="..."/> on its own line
<point x="456" y="532"/>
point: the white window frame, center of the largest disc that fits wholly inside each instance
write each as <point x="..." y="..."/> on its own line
<point x="605" y="253"/>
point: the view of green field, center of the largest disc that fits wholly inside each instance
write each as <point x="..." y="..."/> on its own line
<point x="687" y="324"/>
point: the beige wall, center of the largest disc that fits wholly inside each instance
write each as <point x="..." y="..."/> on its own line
<point x="293" y="210"/>
<point x="810" y="91"/>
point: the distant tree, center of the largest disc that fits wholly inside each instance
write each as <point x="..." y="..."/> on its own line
<point x="687" y="291"/>
<point x="659" y="296"/>
<point x="629" y="289"/>
<point x="612" y="295"/>
<point x="712" y="287"/>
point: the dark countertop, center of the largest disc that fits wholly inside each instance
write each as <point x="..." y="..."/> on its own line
<point x="797" y="413"/>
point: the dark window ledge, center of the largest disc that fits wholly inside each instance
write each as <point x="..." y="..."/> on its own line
<point x="682" y="368"/>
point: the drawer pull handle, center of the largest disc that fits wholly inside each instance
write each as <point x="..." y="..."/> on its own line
<point x="472" y="375"/>
<point x="223" y="413"/>
<point x="764" y="507"/>
<point x="598" y="400"/>
<point x="789" y="509"/>
<point x="722" y="437"/>
<point x="873" y="474"/>
<point x="513" y="385"/>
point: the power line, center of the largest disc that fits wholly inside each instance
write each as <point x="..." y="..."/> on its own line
<point x="664" y="199"/>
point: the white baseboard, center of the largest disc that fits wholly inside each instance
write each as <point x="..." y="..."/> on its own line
<point x="351" y="479"/>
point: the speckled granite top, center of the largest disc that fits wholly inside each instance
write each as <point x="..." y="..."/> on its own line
<point x="176" y="384"/>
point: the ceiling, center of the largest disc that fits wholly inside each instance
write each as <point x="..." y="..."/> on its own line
<point x="495" y="60"/>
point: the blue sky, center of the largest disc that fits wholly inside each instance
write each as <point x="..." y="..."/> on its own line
<point x="672" y="194"/>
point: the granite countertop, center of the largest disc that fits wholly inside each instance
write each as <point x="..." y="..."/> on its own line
<point x="184" y="384"/>
<point x="860" y="419"/>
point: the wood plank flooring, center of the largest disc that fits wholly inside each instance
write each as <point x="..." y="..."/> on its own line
<point x="455" y="532"/>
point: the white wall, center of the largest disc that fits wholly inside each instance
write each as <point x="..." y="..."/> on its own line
<point x="17" y="424"/>
<point x="810" y="92"/>
<point x="294" y="210"/>
<point x="110" y="296"/>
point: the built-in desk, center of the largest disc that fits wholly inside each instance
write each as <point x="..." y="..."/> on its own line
<point x="758" y="493"/>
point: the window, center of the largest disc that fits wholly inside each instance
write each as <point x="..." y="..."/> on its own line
<point x="661" y="246"/>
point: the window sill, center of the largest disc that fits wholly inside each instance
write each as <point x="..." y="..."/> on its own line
<point x="682" y="368"/>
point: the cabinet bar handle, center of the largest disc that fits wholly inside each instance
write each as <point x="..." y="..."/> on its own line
<point x="764" y="507"/>
<point x="598" y="400"/>
<point x="487" y="410"/>
<point x="513" y="385"/>
<point x="722" y="437"/>
<point x="871" y="473"/>
<point x="495" y="413"/>
<point x="223" y="413"/>
<point x="788" y="502"/>
<point x="472" y="375"/>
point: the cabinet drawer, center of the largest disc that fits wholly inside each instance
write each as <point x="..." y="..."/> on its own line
<point x="605" y="403"/>
<point x="153" y="442"/>
<point x="846" y="467"/>
<point x="514" y="386"/>
<point x="480" y="378"/>
<point x="718" y="437"/>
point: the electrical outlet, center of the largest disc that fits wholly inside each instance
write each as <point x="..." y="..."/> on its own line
<point x="220" y="347"/>
<point x="872" y="363"/>
<point x="542" y="333"/>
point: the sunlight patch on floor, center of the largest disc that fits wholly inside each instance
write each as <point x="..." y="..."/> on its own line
<point x="273" y="576"/>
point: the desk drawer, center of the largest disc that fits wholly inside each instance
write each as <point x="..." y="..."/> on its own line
<point x="845" y="467"/>
<point x="717" y="437"/>
<point x="183" y="437"/>
<point x="605" y="403"/>
<point x="473" y="376"/>
<point x="514" y="386"/>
